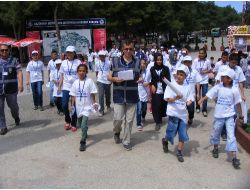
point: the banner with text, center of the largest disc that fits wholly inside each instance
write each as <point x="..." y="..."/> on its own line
<point x="81" y="39"/>
<point x="35" y="46"/>
<point x="99" y="39"/>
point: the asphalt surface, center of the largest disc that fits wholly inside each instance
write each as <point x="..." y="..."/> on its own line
<point x="41" y="154"/>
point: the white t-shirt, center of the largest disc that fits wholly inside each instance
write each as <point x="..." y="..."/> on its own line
<point x="217" y="66"/>
<point x="82" y="91"/>
<point x="239" y="75"/>
<point x="202" y="65"/>
<point x="148" y="73"/>
<point x="172" y="69"/>
<point x="178" y="107"/>
<point x="192" y="79"/>
<point x="69" y="71"/>
<point x="90" y="57"/>
<point x="56" y="77"/>
<point x="227" y="98"/>
<point x="35" y="68"/>
<point x="51" y="67"/>
<point x="143" y="90"/>
<point x="103" y="69"/>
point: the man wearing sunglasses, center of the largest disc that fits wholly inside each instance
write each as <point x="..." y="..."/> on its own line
<point x="11" y="81"/>
<point x="125" y="92"/>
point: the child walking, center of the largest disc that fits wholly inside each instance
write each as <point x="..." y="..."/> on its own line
<point x="144" y="92"/>
<point x="56" y="93"/>
<point x="35" y="78"/>
<point x="177" y="111"/>
<point x="83" y="93"/>
<point x="227" y="97"/>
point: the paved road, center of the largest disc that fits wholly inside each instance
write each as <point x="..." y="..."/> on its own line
<point x="40" y="154"/>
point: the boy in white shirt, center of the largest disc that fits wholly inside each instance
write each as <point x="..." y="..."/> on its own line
<point x="102" y="68"/>
<point x="83" y="93"/>
<point x="35" y="78"/>
<point x="227" y="97"/>
<point x="57" y="94"/>
<point x="144" y="93"/>
<point x="193" y="81"/>
<point x="177" y="111"/>
<point x="51" y="68"/>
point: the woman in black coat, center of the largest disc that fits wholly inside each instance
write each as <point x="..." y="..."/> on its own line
<point x="159" y="105"/>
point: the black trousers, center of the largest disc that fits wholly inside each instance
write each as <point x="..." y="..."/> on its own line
<point x="159" y="107"/>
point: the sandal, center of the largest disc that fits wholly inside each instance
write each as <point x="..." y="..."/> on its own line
<point x="67" y="126"/>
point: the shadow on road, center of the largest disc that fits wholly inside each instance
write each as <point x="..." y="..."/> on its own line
<point x="33" y="123"/>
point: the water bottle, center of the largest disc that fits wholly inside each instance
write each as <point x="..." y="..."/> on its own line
<point x="28" y="89"/>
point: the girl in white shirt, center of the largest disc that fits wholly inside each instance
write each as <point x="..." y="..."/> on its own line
<point x="83" y="93"/>
<point x="68" y="71"/>
<point x="35" y="78"/>
<point x="227" y="97"/>
<point x="57" y="94"/>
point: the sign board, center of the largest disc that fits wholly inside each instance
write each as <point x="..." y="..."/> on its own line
<point x="62" y="22"/>
<point x="242" y="30"/>
<point x="80" y="38"/>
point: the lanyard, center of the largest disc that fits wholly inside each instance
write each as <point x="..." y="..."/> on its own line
<point x="81" y="91"/>
<point x="103" y="66"/>
<point x="189" y="76"/>
<point x="34" y="66"/>
<point x="201" y="63"/>
<point x="57" y="76"/>
<point x="69" y="70"/>
<point x="158" y="72"/>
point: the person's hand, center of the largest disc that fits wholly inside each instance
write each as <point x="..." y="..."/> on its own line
<point x="200" y="102"/>
<point x="95" y="106"/>
<point x="153" y="89"/>
<point x="239" y="121"/>
<point x="243" y="97"/>
<point x="189" y="103"/>
<point x="70" y="109"/>
<point x="117" y="80"/>
<point x="140" y="80"/>
<point x="20" y="88"/>
<point x="178" y="97"/>
<point x="198" y="97"/>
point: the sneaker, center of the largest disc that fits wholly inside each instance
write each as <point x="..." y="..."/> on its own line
<point x="236" y="163"/>
<point x="215" y="153"/>
<point x="224" y="137"/>
<point x="82" y="147"/>
<point x="139" y="128"/>
<point x="3" y="131"/>
<point x="190" y="121"/>
<point x="73" y="129"/>
<point x="157" y="127"/>
<point x="179" y="156"/>
<point x="67" y="126"/>
<point x="35" y="108"/>
<point x="41" y="108"/>
<point x="127" y="147"/>
<point x="117" y="138"/>
<point x="61" y="114"/>
<point x="164" y="145"/>
<point x="17" y="121"/>
<point x="100" y="114"/>
<point x="197" y="110"/>
<point x="205" y="114"/>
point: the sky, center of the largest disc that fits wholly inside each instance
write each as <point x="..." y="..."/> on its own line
<point x="237" y="5"/>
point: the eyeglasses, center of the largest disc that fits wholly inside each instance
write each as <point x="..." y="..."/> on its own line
<point x="4" y="50"/>
<point x="130" y="49"/>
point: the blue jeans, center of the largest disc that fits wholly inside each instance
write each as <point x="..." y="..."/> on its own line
<point x="141" y="110"/>
<point x="52" y="100"/>
<point x="37" y="92"/>
<point x="204" y="90"/>
<point x="90" y="66"/>
<point x="230" y="128"/>
<point x="175" y="125"/>
<point x="103" y="90"/>
<point x="65" y="107"/>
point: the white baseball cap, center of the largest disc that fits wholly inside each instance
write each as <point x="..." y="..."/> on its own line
<point x="101" y="53"/>
<point x="187" y="58"/>
<point x="34" y="52"/>
<point x="229" y="72"/>
<point x="70" y="49"/>
<point x="183" y="68"/>
<point x="58" y="61"/>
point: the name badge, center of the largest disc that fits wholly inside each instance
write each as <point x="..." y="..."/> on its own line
<point x="5" y="73"/>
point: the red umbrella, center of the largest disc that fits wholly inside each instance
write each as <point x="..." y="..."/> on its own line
<point x="6" y="40"/>
<point x="26" y="41"/>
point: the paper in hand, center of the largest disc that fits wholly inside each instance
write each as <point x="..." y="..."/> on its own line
<point x="126" y="75"/>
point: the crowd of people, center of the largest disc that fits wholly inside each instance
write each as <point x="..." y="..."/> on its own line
<point x="169" y="81"/>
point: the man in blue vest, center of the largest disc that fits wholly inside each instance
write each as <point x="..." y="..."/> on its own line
<point x="124" y="75"/>
<point x="11" y="81"/>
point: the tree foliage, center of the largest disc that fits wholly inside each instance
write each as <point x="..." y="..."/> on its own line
<point x="135" y="17"/>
